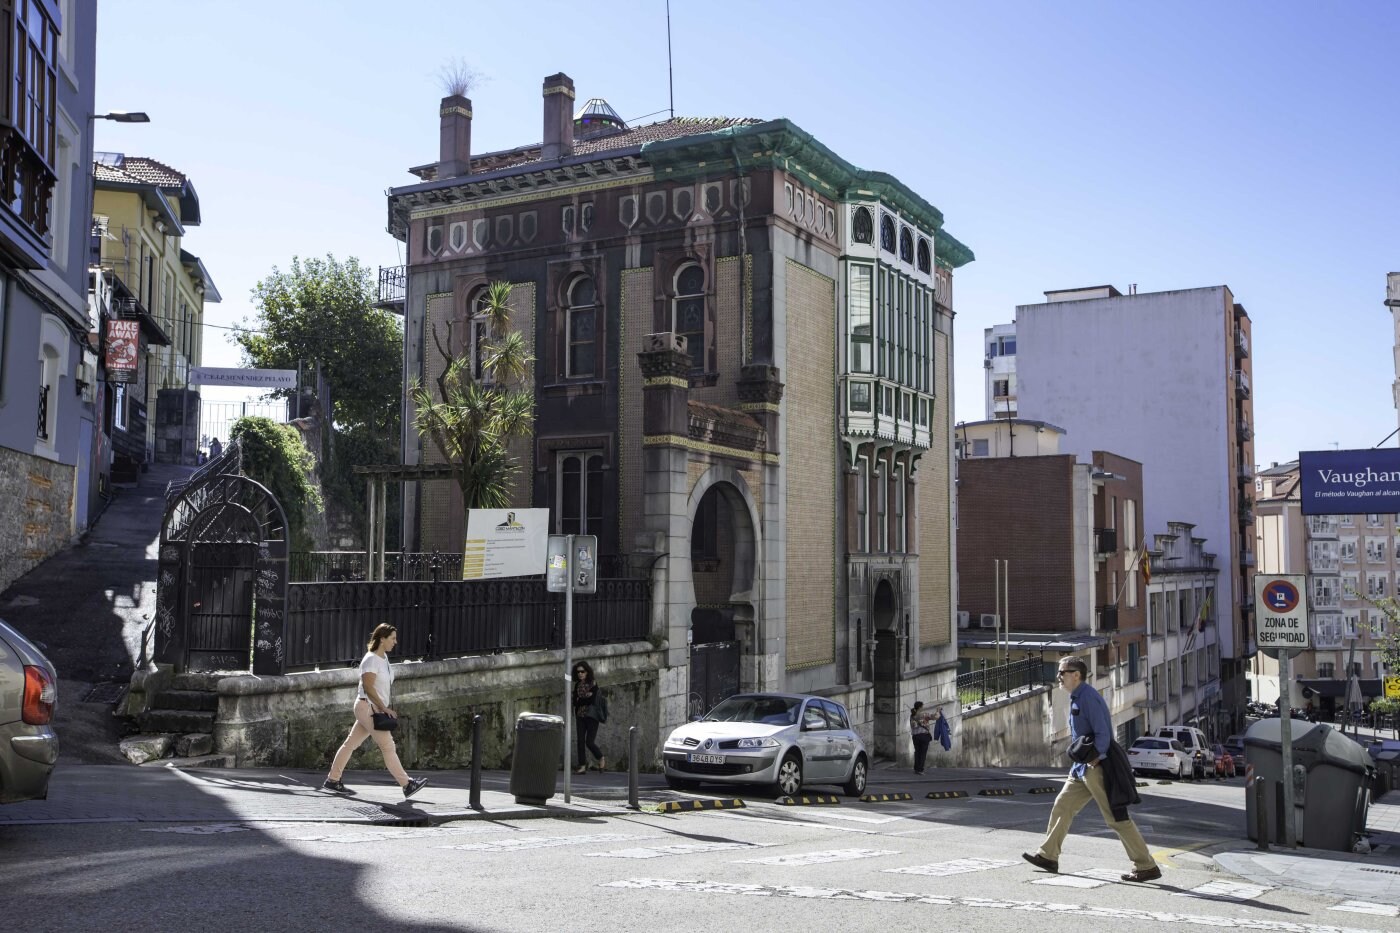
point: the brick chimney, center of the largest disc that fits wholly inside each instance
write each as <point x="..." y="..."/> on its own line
<point x="455" y="141"/>
<point x="558" y="117"/>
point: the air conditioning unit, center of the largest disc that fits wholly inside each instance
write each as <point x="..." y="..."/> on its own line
<point x="990" y="620"/>
<point x="964" y="619"/>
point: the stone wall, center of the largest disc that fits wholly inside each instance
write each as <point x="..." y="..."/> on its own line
<point x="1010" y="732"/>
<point x="299" y="720"/>
<point x="37" y="520"/>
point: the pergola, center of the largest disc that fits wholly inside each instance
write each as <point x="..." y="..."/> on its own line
<point x="377" y="479"/>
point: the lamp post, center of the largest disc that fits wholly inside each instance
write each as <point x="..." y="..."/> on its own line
<point x="122" y="116"/>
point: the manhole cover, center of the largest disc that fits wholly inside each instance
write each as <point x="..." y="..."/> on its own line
<point x="109" y="692"/>
<point x="1384" y="871"/>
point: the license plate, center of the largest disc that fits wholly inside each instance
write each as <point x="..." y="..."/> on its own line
<point x="706" y="759"/>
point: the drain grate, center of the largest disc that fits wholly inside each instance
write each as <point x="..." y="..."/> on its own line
<point x="1384" y="871"/>
<point x="109" y="692"/>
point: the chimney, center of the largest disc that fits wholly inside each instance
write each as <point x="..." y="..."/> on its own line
<point x="455" y="141"/>
<point x="558" y="117"/>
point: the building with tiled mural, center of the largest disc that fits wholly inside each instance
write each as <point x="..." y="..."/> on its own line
<point x="743" y="387"/>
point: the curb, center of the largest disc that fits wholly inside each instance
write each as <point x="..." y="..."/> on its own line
<point x="995" y="792"/>
<point x="807" y="800"/>
<point x="1043" y="790"/>
<point x="882" y="798"/>
<point x="689" y="806"/>
<point x="944" y="794"/>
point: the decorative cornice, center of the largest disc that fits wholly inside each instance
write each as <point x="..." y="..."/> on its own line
<point x="456" y="110"/>
<point x="675" y="440"/>
<point x="675" y="382"/>
<point x="665" y="359"/>
<point x="759" y="383"/>
<point x="767" y="407"/>
<point x="560" y="89"/>
<point x="724" y="427"/>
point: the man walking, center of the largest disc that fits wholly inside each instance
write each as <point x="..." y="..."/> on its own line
<point x="1088" y="716"/>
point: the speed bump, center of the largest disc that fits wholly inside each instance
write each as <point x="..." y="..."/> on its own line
<point x="1141" y="783"/>
<point x="882" y="798"/>
<point x="944" y="794"/>
<point x="685" y="806"/>
<point x="1043" y="790"/>
<point x="807" y="800"/>
<point x="995" y="792"/>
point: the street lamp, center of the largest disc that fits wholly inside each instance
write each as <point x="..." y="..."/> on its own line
<point x="122" y="116"/>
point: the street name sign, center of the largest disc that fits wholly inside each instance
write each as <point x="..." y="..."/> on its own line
<point x="1282" y="613"/>
<point x="254" y="378"/>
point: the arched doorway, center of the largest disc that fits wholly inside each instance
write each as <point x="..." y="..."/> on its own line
<point x="723" y="559"/>
<point x="884" y="616"/>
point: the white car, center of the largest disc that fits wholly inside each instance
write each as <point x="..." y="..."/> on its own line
<point x="1165" y="756"/>
<point x="781" y="739"/>
<point x="1197" y="746"/>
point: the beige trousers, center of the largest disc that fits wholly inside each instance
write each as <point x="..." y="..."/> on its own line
<point x="364" y="729"/>
<point x="1073" y="797"/>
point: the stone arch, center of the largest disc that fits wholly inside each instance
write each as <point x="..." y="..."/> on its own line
<point x="733" y="489"/>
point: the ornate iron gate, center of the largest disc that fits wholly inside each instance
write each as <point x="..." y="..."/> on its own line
<point x="714" y="674"/>
<point x="222" y="585"/>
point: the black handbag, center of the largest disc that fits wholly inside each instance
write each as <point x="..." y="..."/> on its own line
<point x="383" y="722"/>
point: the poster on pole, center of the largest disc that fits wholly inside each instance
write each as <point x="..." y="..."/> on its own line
<point x="504" y="543"/>
<point x="123" y="349"/>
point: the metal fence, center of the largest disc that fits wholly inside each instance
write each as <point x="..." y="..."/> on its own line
<point x="343" y="566"/>
<point x="328" y="624"/>
<point x="976" y="687"/>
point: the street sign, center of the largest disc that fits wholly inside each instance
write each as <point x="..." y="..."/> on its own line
<point x="572" y="554"/>
<point x="1392" y="688"/>
<point x="1283" y="613"/>
<point x="256" y="378"/>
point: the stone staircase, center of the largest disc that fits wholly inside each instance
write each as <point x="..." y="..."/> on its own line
<point x="178" y="728"/>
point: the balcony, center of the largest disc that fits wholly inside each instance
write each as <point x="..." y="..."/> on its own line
<point x="1241" y="344"/>
<point x="1324" y="564"/>
<point x="1245" y="473"/>
<point x="1105" y="541"/>
<point x="24" y="216"/>
<point x="1327" y="639"/>
<point x="393" y="288"/>
<point x="1242" y="383"/>
<point x="1322" y="526"/>
<point x="1243" y="431"/>
<point x="1246" y="558"/>
<point x="1326" y="599"/>
<point x="1108" y="618"/>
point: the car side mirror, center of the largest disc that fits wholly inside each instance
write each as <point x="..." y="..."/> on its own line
<point x="696" y="718"/>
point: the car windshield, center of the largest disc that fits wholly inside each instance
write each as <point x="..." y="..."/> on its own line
<point x="771" y="711"/>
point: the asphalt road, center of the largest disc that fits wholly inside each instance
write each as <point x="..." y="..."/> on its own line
<point x="856" y="866"/>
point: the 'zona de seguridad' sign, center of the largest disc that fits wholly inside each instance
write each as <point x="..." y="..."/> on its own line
<point x="1282" y="611"/>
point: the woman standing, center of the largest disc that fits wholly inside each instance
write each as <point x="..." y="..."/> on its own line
<point x="589" y="709"/>
<point x="376" y="683"/>
<point x="918" y="729"/>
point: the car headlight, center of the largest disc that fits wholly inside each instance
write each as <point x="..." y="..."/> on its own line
<point x="758" y="743"/>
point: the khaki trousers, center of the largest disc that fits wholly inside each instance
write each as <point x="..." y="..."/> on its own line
<point x="1073" y="797"/>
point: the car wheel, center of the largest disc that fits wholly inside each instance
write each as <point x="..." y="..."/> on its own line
<point x="676" y="783"/>
<point x="1183" y="771"/>
<point x="859" y="771"/>
<point x="789" y="775"/>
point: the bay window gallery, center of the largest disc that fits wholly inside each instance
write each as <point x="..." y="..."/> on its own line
<point x="890" y="324"/>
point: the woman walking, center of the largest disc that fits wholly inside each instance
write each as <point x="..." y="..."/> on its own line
<point x="376" y="683"/>
<point x="589" y="709"/>
<point x="918" y="729"/>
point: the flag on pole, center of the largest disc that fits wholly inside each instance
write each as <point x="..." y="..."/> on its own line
<point x="1146" y="568"/>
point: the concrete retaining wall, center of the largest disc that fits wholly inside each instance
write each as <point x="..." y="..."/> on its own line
<point x="299" y="720"/>
<point x="1013" y="731"/>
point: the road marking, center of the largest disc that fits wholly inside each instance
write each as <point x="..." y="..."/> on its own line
<point x="849" y="816"/>
<point x="793" y="821"/>
<point x="402" y="833"/>
<point x="544" y="842"/>
<point x="1078" y="911"/>
<point x="1366" y="907"/>
<point x="1092" y="878"/>
<point x="960" y="866"/>
<point x="818" y="858"/>
<point x="688" y="848"/>
<point x="206" y="829"/>
<point x="1225" y="891"/>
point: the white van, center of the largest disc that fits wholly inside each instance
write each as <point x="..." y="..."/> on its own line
<point x="1195" y="743"/>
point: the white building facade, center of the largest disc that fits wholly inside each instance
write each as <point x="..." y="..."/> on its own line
<point x="999" y="363"/>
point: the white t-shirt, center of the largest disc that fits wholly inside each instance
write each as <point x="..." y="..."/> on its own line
<point x="383" y="676"/>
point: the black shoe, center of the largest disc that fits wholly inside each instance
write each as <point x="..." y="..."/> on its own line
<point x="1040" y="861"/>
<point x="1143" y="874"/>
<point x="335" y="787"/>
<point x="413" y="786"/>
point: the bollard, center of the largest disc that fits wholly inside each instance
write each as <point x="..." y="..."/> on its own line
<point x="632" y="803"/>
<point x="474" y="801"/>
<point x="1261" y="816"/>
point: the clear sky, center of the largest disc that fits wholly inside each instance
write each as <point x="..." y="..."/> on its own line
<point x="1251" y="143"/>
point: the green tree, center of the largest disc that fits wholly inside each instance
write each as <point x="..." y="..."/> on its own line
<point x="276" y="456"/>
<point x="472" y="421"/>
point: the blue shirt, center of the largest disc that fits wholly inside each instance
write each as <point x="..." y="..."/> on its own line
<point x="1088" y="715"/>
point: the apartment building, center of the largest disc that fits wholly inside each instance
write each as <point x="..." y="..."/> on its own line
<point x="999" y="362"/>
<point x="1349" y="560"/>
<point x="1183" y="647"/>
<point x="1163" y="378"/>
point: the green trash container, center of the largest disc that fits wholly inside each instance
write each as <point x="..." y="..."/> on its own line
<point x="539" y="750"/>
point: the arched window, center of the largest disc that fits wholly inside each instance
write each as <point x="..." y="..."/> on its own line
<point x="862" y="227"/>
<point x="906" y="245"/>
<point x="579" y="495"/>
<point x="688" y="315"/>
<point x="479" y="334"/>
<point x="582" y="328"/>
<point x="887" y="234"/>
<point x="925" y="259"/>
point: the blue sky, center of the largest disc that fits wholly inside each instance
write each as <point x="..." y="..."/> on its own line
<point x="1168" y="145"/>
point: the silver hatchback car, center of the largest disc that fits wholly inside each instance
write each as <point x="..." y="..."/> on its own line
<point x="782" y="739"/>
<point x="28" y="695"/>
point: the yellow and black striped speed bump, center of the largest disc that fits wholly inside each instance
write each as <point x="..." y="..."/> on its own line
<point x="945" y="794"/>
<point x="807" y="800"/>
<point x="1043" y="790"/>
<point x="1141" y="783"/>
<point x="995" y="792"/>
<point x="882" y="798"/>
<point x="686" y="806"/>
<point x="1164" y="782"/>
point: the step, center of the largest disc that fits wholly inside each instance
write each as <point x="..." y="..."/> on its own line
<point x="203" y="761"/>
<point x="197" y="680"/>
<point x="199" y="700"/>
<point x="176" y="720"/>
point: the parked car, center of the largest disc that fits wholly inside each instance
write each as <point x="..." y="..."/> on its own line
<point x="782" y="739"/>
<point x="28" y="695"/>
<point x="1160" y="756"/>
<point x="1235" y="746"/>
<point x="1224" y="761"/>
<point x="1194" y="741"/>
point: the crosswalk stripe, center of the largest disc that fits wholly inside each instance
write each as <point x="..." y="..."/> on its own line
<point x="960" y="866"/>
<point x="818" y="858"/>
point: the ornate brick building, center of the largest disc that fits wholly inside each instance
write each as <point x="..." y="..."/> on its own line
<point x="743" y="386"/>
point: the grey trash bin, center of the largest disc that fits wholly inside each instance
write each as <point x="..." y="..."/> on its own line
<point x="1336" y="790"/>
<point x="539" y="750"/>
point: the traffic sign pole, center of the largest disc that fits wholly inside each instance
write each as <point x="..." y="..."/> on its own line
<point x="1281" y="631"/>
<point x="1285" y="729"/>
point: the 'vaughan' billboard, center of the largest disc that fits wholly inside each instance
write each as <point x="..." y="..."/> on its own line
<point x="1348" y="482"/>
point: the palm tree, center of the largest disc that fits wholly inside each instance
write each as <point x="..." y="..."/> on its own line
<point x="471" y="422"/>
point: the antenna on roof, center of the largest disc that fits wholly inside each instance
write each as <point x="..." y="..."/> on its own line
<point x="670" y="79"/>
